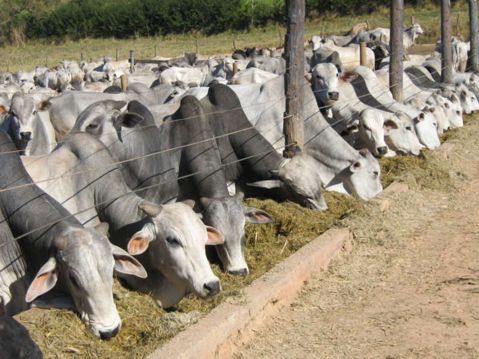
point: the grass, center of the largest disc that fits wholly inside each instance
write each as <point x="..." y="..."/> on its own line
<point x="51" y="52"/>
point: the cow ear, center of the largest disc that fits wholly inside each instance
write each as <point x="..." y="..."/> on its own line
<point x="355" y="166"/>
<point x="420" y="117"/>
<point x="44" y="105"/>
<point x="126" y="264"/>
<point x="257" y="216"/>
<point x="127" y="119"/>
<point x="215" y="237"/>
<point x="3" y="109"/>
<point x="389" y="125"/>
<point x="140" y="241"/>
<point x="44" y="281"/>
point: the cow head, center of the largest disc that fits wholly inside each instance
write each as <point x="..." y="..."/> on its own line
<point x="174" y="239"/>
<point x="400" y="136"/>
<point x="372" y="130"/>
<point x="84" y="260"/>
<point x="101" y="120"/>
<point x="301" y="177"/>
<point x="324" y="80"/>
<point x="20" y="119"/>
<point x="425" y="125"/>
<point x="229" y="215"/>
<point x="363" y="180"/>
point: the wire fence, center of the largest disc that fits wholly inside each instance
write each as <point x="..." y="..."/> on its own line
<point x="383" y="89"/>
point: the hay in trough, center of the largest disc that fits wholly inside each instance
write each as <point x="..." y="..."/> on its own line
<point x="61" y="334"/>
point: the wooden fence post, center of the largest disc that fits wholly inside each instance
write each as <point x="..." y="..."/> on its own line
<point x="81" y="56"/>
<point x="473" y="28"/>
<point x="117" y="54"/>
<point x="124" y="82"/>
<point x="156" y="51"/>
<point x="132" y="61"/>
<point x="362" y="53"/>
<point x="446" y="60"/>
<point x="397" y="50"/>
<point x="293" y="126"/>
<point x="197" y="47"/>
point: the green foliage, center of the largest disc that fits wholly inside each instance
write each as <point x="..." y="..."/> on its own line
<point x="75" y="19"/>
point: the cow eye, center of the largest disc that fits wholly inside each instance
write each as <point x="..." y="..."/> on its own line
<point x="173" y="241"/>
<point x="408" y="128"/>
<point x="376" y="173"/>
<point x="92" y="126"/>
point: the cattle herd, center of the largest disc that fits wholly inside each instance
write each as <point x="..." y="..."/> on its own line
<point x="101" y="178"/>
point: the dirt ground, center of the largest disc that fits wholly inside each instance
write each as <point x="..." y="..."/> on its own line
<point x="410" y="287"/>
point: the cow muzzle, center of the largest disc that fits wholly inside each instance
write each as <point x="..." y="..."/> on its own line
<point x="333" y="95"/>
<point x="212" y="288"/>
<point x="107" y="335"/>
<point x="240" y="272"/>
<point x="25" y="136"/>
<point x="382" y="150"/>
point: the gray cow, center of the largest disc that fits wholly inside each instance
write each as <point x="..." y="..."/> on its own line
<point x="30" y="129"/>
<point x="88" y="183"/>
<point x="62" y="258"/>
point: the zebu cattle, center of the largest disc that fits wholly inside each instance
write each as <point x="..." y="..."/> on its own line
<point x="89" y="184"/>
<point x="324" y="81"/>
<point x="64" y="109"/>
<point x="338" y="165"/>
<point x="422" y="78"/>
<point x="15" y="341"/>
<point x="62" y="257"/>
<point x="409" y="36"/>
<point x="349" y="55"/>
<point x="30" y="129"/>
<point x="270" y="64"/>
<point x="349" y="111"/>
<point x="252" y="75"/>
<point x="151" y="166"/>
<point x="186" y="75"/>
<point x="372" y="92"/>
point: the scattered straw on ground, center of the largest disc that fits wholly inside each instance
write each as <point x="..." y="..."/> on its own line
<point x="61" y="334"/>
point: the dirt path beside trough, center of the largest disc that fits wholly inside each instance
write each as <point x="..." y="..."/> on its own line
<point x="409" y="289"/>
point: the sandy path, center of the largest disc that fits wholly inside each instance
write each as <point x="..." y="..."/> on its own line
<point x="410" y="288"/>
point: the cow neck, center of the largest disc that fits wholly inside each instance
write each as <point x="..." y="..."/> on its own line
<point x="29" y="208"/>
<point x="200" y="160"/>
<point x="244" y="142"/>
<point x="154" y="169"/>
<point x="13" y="280"/>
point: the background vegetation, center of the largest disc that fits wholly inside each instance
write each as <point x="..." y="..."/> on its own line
<point x="76" y="19"/>
<point x="22" y="52"/>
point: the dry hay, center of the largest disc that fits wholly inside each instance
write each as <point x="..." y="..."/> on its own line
<point x="61" y="334"/>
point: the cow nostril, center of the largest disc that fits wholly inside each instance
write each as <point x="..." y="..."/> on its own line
<point x="240" y="272"/>
<point x="26" y="136"/>
<point x="212" y="288"/>
<point x="382" y="150"/>
<point x="333" y="95"/>
<point x="109" y="334"/>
